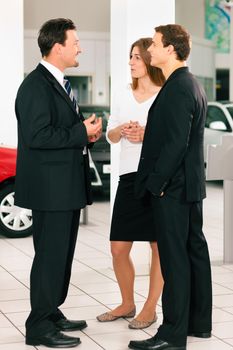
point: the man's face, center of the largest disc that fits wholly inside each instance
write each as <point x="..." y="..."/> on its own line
<point x="70" y="50"/>
<point x="159" y="53"/>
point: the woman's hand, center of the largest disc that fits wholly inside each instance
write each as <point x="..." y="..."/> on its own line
<point x="117" y="133"/>
<point x="133" y="132"/>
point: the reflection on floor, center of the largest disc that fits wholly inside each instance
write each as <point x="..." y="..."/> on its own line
<point x="94" y="289"/>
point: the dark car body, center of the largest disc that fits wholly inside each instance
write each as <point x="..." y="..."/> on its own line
<point x="100" y="152"/>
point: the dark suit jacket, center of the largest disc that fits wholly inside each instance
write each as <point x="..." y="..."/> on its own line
<point x="52" y="172"/>
<point x="172" y="154"/>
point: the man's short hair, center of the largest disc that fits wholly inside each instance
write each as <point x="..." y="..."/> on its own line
<point x="52" y="32"/>
<point x="178" y="37"/>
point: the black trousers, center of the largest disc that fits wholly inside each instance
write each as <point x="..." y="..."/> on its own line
<point x="54" y="238"/>
<point x="185" y="264"/>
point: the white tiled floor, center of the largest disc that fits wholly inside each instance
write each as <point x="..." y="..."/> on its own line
<point x="94" y="289"/>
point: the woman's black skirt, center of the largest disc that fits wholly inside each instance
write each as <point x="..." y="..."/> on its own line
<point x="132" y="218"/>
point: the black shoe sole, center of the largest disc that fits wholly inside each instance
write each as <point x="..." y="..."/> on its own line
<point x="200" y="335"/>
<point x="170" y="348"/>
<point x="34" y="342"/>
<point x="71" y="329"/>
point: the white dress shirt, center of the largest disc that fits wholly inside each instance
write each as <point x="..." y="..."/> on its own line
<point x="58" y="75"/>
<point x="129" y="109"/>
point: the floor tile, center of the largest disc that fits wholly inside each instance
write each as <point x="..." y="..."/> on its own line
<point x="17" y="318"/>
<point x="4" y="322"/>
<point x="113" y="297"/>
<point x="229" y="341"/>
<point x="209" y="345"/>
<point x="228" y="309"/>
<point x="79" y="300"/>
<point x="15" y="306"/>
<point x="14" y="294"/>
<point x="96" y="263"/>
<point x="16" y="346"/>
<point x="100" y="287"/>
<point x="10" y="335"/>
<point x="220" y="290"/>
<point x="223" y="330"/>
<point x="96" y="327"/>
<point x="84" y="312"/>
<point x="20" y="262"/>
<point x="118" y="341"/>
<point x="9" y="282"/>
<point x="223" y="300"/>
<point x="74" y="290"/>
<point x="221" y="316"/>
<point x="230" y="285"/>
<point x="223" y="278"/>
<point x="88" y="276"/>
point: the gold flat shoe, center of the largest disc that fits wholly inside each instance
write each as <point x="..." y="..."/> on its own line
<point x="135" y="324"/>
<point x="108" y="317"/>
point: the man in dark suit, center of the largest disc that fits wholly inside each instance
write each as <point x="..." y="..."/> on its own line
<point x="52" y="179"/>
<point x="171" y="171"/>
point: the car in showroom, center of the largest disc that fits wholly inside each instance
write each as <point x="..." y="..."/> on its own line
<point x="16" y="222"/>
<point x="219" y="121"/>
<point x="100" y="152"/>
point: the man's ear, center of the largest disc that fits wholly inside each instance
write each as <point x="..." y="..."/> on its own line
<point x="56" y="48"/>
<point x="170" y="49"/>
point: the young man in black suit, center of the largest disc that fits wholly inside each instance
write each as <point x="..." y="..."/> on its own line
<point x="171" y="170"/>
<point x="52" y="179"/>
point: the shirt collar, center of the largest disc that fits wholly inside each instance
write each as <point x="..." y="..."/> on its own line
<point x="58" y="75"/>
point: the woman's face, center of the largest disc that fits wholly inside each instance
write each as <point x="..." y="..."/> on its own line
<point x="137" y="66"/>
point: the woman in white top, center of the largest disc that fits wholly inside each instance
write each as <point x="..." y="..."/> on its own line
<point x="132" y="218"/>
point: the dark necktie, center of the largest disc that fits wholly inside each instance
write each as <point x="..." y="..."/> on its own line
<point x="71" y="96"/>
<point x="70" y="93"/>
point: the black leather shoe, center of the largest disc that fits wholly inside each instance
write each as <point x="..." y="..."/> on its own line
<point x="200" y="334"/>
<point x="68" y="326"/>
<point x="153" y="344"/>
<point x="54" y="340"/>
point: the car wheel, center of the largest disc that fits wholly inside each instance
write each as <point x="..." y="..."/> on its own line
<point x="15" y="222"/>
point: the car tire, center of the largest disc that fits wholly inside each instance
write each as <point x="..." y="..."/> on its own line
<point x="15" y="222"/>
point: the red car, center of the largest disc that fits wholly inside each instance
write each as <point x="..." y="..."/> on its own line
<point x="15" y="222"/>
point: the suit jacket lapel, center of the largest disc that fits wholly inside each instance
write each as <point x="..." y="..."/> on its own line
<point x="178" y="71"/>
<point x="56" y="85"/>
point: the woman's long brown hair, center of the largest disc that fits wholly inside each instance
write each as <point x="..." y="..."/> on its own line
<point x="155" y="74"/>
